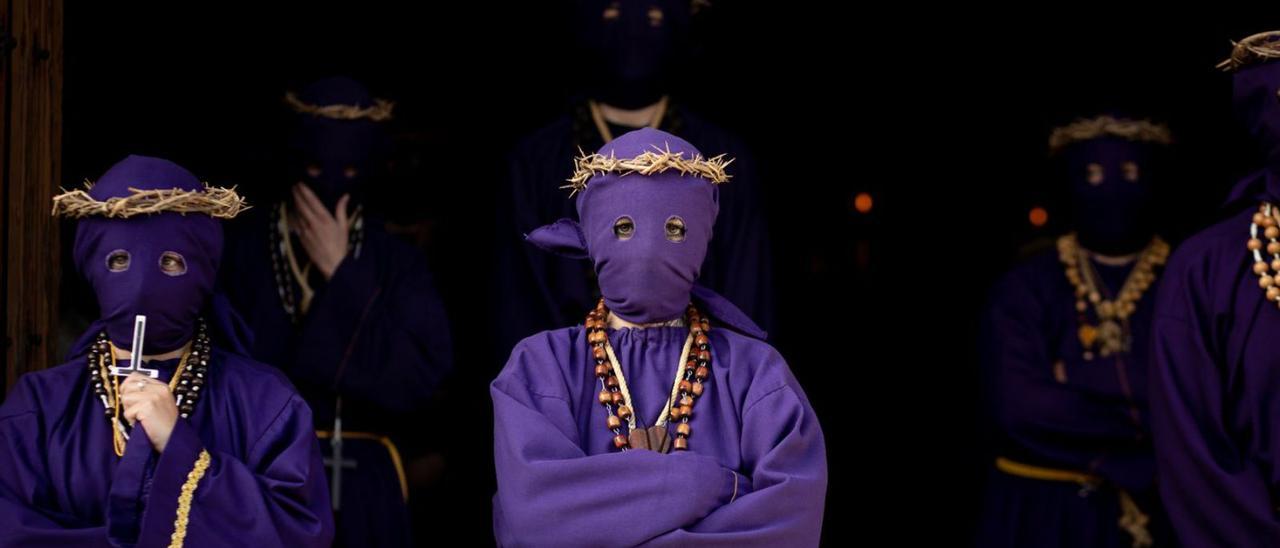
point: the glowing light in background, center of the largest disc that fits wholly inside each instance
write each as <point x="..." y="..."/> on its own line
<point x="1038" y="217"/>
<point x="862" y="203"/>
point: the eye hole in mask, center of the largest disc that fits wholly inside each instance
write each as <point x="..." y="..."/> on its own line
<point x="172" y="263"/>
<point x="675" y="229"/>
<point x="1131" y="172"/>
<point x="313" y="171"/>
<point x="611" y="13"/>
<point x="655" y="16"/>
<point x="624" y="228"/>
<point x="1094" y="174"/>
<point x="118" y="260"/>
<point x="350" y="172"/>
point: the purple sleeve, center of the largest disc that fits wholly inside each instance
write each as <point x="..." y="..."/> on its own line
<point x="550" y="492"/>
<point x="1214" y="491"/>
<point x="25" y="517"/>
<point x="385" y="342"/>
<point x="1026" y="407"/>
<point x="1015" y="362"/>
<point x="276" y="497"/>
<point x="781" y="497"/>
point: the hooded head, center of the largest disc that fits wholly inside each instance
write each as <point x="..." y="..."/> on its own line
<point x="338" y="140"/>
<point x="631" y="45"/>
<point x="1111" y="168"/>
<point x="647" y="202"/>
<point x="148" y="243"/>
<point x="1255" y="90"/>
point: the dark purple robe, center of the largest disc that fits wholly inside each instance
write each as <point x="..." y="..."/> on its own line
<point x="61" y="483"/>
<point x="1090" y="417"/>
<point x="376" y="334"/>
<point x="537" y="291"/>
<point x="562" y="483"/>
<point x="1215" y="381"/>
<point x="1216" y="392"/>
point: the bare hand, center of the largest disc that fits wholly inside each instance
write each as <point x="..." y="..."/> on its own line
<point x="149" y="401"/>
<point x="323" y="235"/>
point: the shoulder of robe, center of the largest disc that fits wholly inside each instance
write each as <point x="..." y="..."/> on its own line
<point x="250" y="379"/>
<point x="392" y="252"/>
<point x="528" y="364"/>
<point x="742" y="355"/>
<point x="700" y="131"/>
<point x="535" y="146"/>
<point x="1034" y="264"/>
<point x="252" y="221"/>
<point x="245" y="236"/>
<point x="1028" y="274"/>
<point x="45" y="391"/>
<point x="1220" y="248"/>
<point x="712" y="139"/>
<point x="753" y="369"/>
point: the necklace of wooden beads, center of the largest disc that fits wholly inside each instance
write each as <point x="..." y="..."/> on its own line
<point x="691" y="375"/>
<point x="1110" y="335"/>
<point x="1266" y="225"/>
<point x="187" y="382"/>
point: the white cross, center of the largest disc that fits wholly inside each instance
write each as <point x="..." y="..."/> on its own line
<point x="135" y="353"/>
<point x="337" y="463"/>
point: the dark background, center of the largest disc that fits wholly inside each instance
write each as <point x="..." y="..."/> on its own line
<point x="944" y="123"/>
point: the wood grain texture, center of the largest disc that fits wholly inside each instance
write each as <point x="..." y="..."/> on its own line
<point x="32" y="145"/>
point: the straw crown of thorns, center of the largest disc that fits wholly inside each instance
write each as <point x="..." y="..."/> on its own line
<point x="652" y="162"/>
<point x="216" y="202"/>
<point x="1261" y="47"/>
<point x="380" y="111"/>
<point x="1106" y="126"/>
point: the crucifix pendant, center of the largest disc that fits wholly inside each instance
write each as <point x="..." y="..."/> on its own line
<point x="135" y="352"/>
<point x="653" y="438"/>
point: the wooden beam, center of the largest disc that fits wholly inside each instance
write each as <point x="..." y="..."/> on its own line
<point x="32" y="145"/>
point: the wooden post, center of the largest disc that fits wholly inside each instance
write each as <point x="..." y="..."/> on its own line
<point x="31" y="142"/>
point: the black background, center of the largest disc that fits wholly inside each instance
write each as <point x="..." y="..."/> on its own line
<point x="942" y="117"/>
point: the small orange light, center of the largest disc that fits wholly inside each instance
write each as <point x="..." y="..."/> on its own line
<point x="1038" y="217"/>
<point x="862" y="202"/>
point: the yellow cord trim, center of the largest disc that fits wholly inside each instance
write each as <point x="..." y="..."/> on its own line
<point x="184" y="500"/>
<point x="1132" y="519"/>
<point x="386" y="443"/>
<point x="1019" y="469"/>
<point x="602" y="126"/>
<point x="118" y="441"/>
<point x="665" y="414"/>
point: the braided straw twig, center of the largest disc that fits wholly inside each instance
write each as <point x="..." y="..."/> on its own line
<point x="1106" y="126"/>
<point x="379" y="112"/>
<point x="1258" y="48"/>
<point x="652" y="162"/>
<point x="217" y="202"/>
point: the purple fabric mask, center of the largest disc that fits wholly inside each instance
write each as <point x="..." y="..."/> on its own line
<point x="131" y="262"/>
<point x="334" y="157"/>
<point x="1257" y="106"/>
<point x="1111" y="181"/>
<point x="631" y="45"/>
<point x="647" y="235"/>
